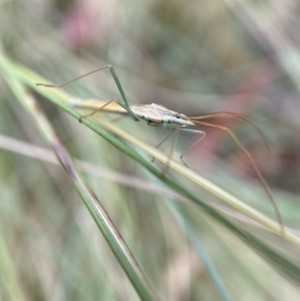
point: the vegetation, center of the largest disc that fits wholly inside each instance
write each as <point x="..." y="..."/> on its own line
<point x="163" y="236"/>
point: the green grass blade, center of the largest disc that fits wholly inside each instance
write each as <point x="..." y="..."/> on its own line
<point x="105" y="224"/>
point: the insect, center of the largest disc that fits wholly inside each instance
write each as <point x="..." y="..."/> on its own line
<point x="157" y="115"/>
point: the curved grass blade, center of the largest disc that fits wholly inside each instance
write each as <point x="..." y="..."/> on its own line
<point x="104" y="223"/>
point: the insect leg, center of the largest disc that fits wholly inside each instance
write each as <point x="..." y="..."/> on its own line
<point x="175" y="133"/>
<point x="165" y="139"/>
<point x="97" y="110"/>
<point x="125" y="105"/>
<point x="167" y="165"/>
<point x="196" y="132"/>
<point x="72" y="80"/>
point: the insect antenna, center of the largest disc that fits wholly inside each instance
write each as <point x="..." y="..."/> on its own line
<point x="250" y="158"/>
<point x="225" y="114"/>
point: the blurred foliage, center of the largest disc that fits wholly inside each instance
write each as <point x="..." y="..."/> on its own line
<point x="194" y="57"/>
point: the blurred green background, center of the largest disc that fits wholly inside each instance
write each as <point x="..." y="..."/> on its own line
<point x="193" y="57"/>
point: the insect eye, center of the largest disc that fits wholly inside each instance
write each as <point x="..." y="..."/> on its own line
<point x="178" y="115"/>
